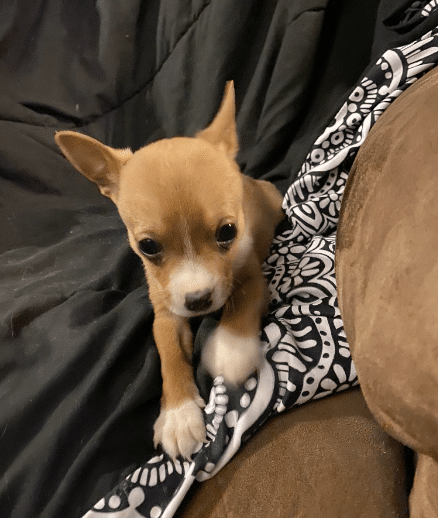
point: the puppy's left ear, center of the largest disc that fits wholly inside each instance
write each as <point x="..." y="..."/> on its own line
<point x="99" y="163"/>
<point x="222" y="131"/>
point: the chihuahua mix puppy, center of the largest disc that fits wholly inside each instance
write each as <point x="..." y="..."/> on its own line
<point x="202" y="230"/>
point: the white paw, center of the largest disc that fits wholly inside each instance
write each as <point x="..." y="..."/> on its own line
<point x="232" y="356"/>
<point x="179" y="430"/>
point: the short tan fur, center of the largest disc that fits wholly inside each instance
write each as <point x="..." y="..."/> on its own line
<point x="202" y="230"/>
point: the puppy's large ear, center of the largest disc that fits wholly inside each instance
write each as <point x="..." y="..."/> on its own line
<point x="222" y="131"/>
<point x="99" y="163"/>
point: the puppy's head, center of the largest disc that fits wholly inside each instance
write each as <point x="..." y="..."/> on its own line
<point x="181" y="200"/>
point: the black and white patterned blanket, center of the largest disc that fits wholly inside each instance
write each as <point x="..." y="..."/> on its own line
<point x="307" y="355"/>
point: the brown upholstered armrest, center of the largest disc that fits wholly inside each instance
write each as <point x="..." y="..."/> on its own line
<point x="387" y="275"/>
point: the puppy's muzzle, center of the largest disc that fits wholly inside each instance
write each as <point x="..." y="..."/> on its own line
<point x="199" y="300"/>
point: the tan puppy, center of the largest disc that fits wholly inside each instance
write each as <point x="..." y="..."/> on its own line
<point x="202" y="230"/>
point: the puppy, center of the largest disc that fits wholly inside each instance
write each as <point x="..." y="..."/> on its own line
<point x="202" y="230"/>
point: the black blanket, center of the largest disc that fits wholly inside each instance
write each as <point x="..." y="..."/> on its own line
<point x="80" y="375"/>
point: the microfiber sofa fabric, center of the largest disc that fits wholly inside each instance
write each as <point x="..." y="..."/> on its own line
<point x="328" y="459"/>
<point x="388" y="300"/>
<point x="80" y="375"/>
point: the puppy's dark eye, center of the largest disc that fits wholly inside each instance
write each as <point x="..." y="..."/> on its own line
<point x="149" y="247"/>
<point x="226" y="234"/>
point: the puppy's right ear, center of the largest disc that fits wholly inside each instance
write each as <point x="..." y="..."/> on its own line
<point x="99" y="163"/>
<point x="222" y="131"/>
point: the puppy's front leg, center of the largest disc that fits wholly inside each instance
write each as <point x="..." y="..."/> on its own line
<point x="180" y="425"/>
<point x="234" y="349"/>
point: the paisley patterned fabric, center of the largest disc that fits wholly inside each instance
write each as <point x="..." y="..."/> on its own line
<point x="307" y="355"/>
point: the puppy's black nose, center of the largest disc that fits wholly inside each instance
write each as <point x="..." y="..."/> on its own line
<point x="199" y="300"/>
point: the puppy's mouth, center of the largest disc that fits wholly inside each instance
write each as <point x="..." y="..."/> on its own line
<point x="195" y="290"/>
<point x="198" y="304"/>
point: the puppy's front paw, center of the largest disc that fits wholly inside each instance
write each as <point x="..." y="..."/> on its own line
<point x="233" y="356"/>
<point x="180" y="429"/>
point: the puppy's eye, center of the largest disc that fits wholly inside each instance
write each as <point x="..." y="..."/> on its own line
<point x="149" y="247"/>
<point x="226" y="234"/>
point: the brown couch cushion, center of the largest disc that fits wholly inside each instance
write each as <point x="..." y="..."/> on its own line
<point x="326" y="459"/>
<point x="424" y="495"/>
<point x="387" y="267"/>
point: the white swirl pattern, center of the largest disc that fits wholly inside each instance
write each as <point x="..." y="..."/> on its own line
<point x="307" y="355"/>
